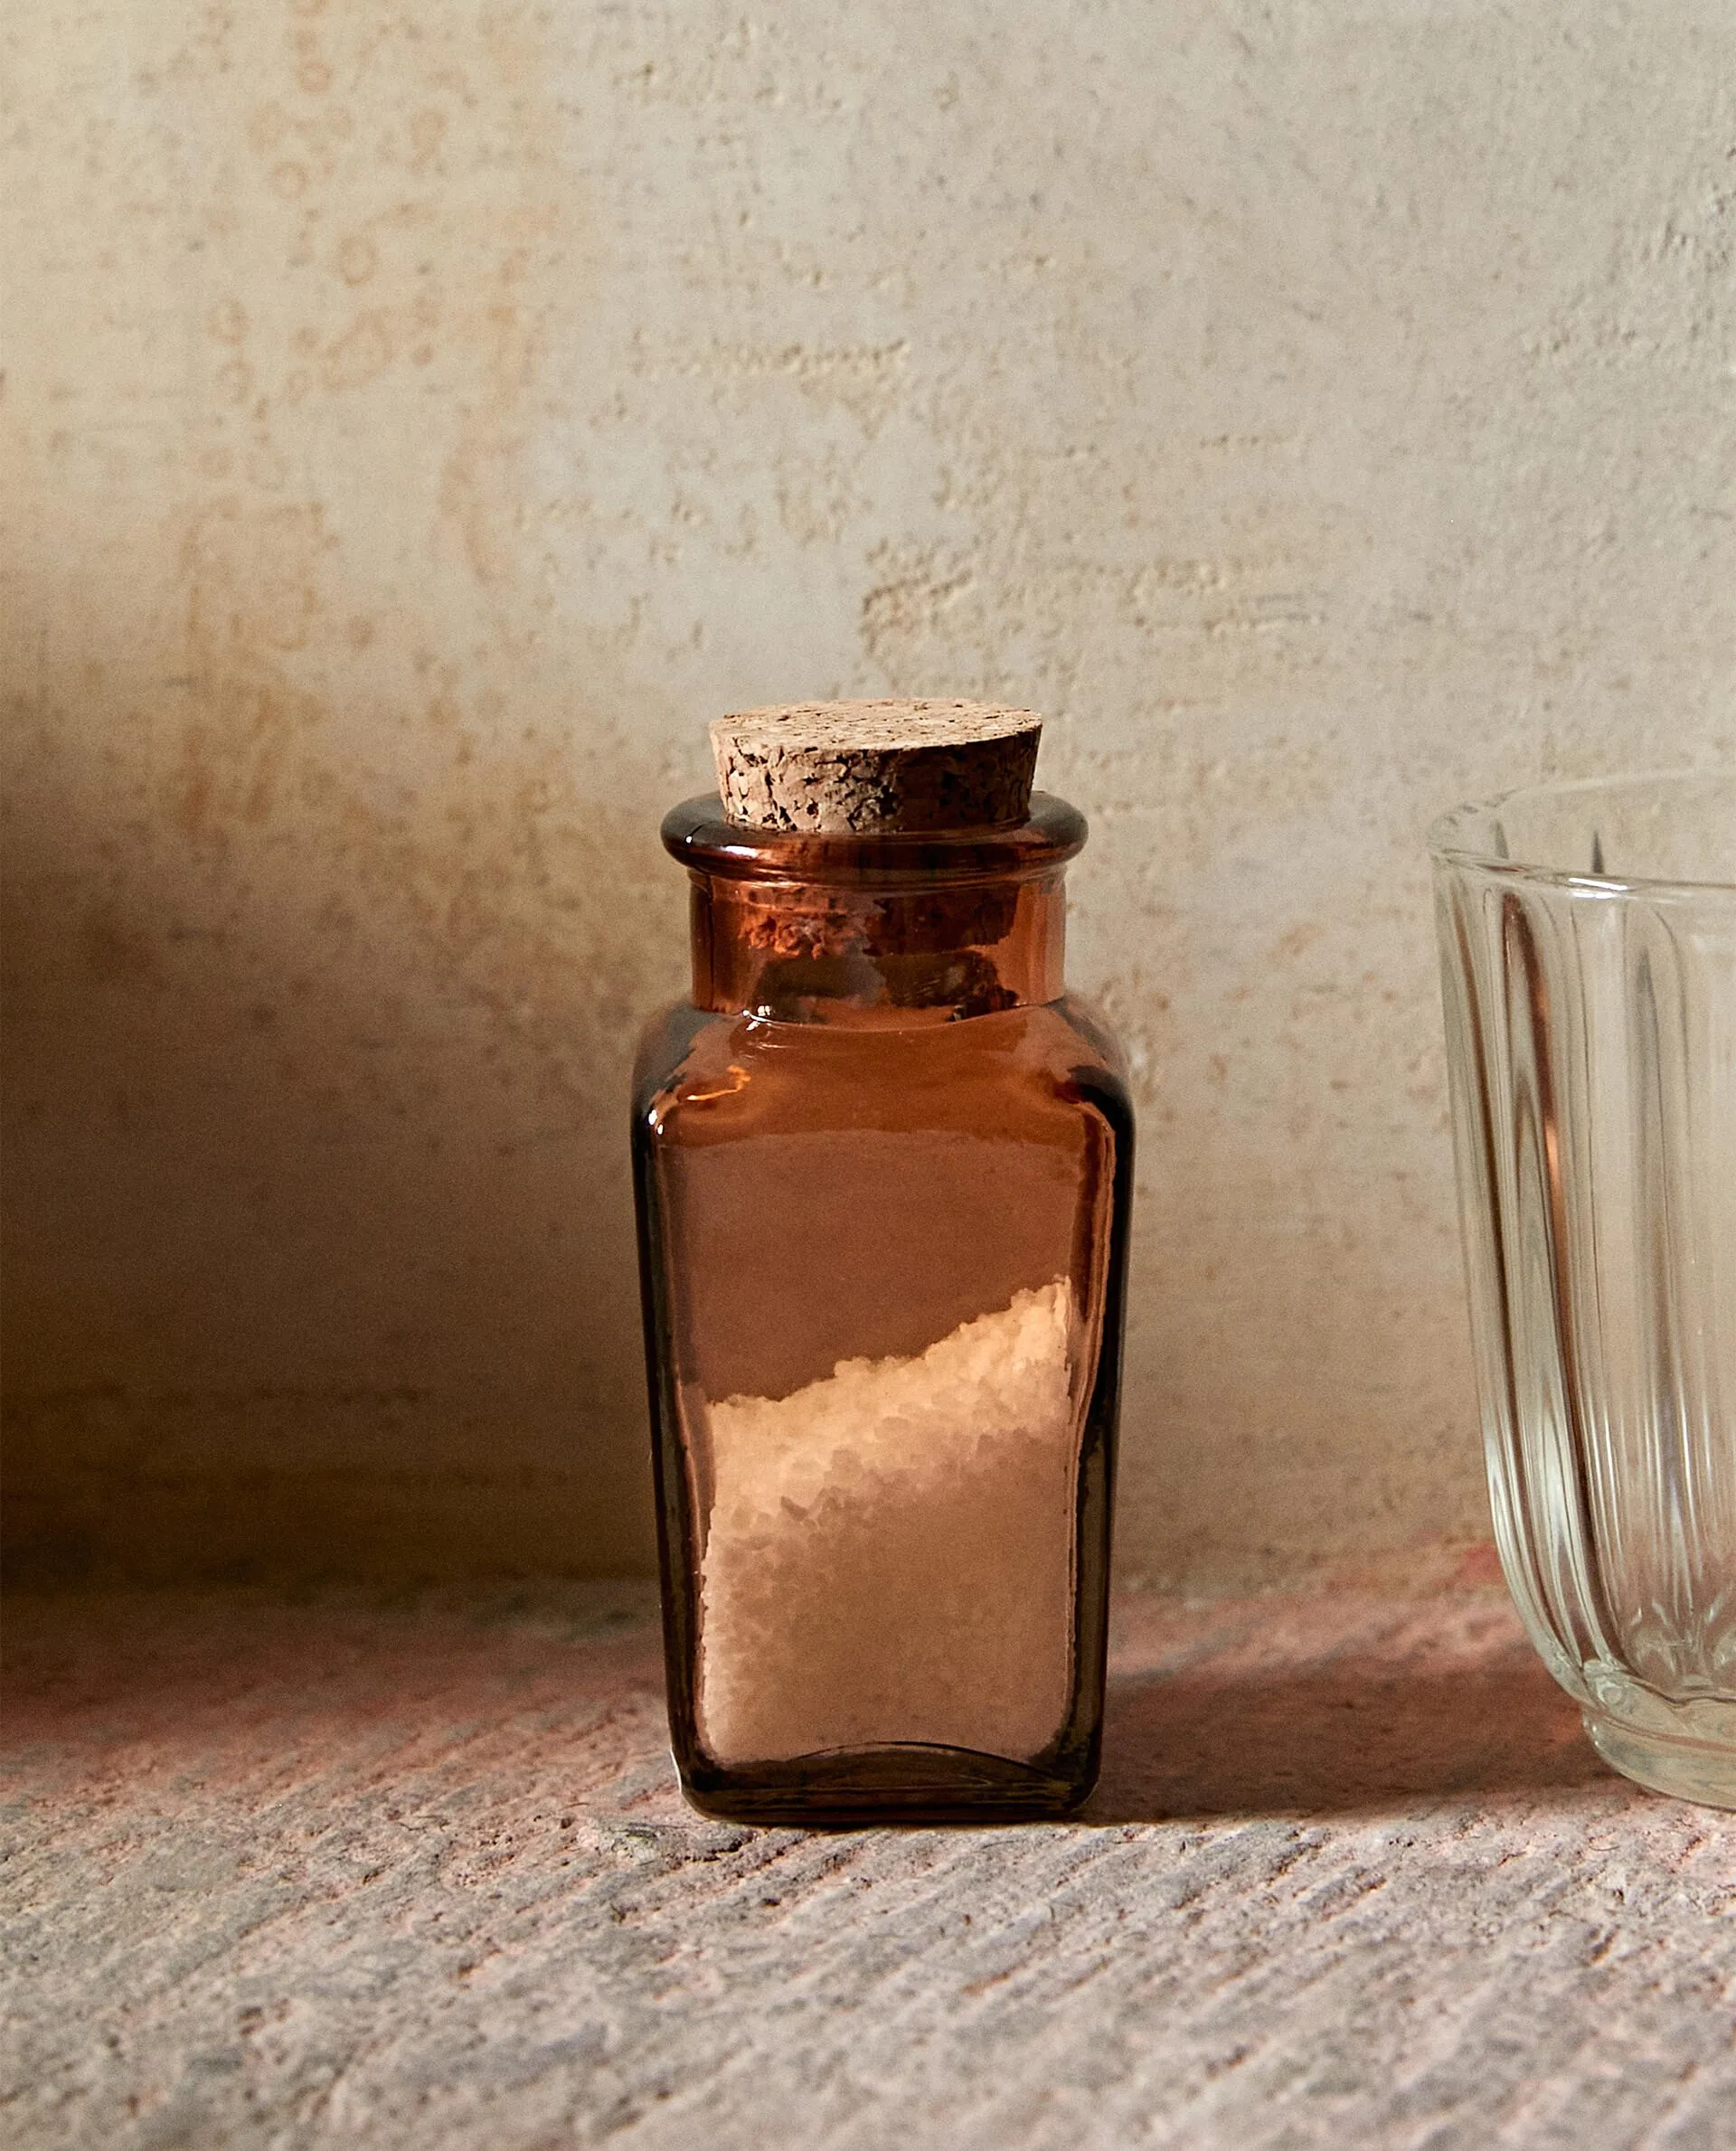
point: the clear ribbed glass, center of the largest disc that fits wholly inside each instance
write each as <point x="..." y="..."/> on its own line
<point x="1589" y="963"/>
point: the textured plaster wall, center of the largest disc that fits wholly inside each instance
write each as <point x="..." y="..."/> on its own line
<point x="419" y="420"/>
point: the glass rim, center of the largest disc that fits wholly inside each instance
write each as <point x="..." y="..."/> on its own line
<point x="1447" y="837"/>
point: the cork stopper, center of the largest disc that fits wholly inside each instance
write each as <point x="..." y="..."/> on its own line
<point x="872" y="767"/>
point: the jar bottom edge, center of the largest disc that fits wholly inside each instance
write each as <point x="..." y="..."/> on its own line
<point x="911" y="1785"/>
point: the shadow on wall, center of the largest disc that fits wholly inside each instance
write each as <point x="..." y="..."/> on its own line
<point x="319" y="1239"/>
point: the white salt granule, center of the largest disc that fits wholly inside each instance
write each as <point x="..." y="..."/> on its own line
<point x="889" y="1553"/>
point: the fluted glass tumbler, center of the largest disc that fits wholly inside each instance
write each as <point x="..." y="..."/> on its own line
<point x="1588" y="961"/>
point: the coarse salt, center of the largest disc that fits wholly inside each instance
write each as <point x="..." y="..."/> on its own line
<point x="888" y="1553"/>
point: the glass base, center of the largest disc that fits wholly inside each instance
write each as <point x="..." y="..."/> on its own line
<point x="1685" y="1769"/>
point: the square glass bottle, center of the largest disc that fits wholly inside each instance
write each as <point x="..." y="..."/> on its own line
<point x="883" y="1167"/>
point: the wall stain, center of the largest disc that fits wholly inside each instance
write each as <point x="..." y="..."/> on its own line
<point x="357" y="258"/>
<point x="361" y="354"/>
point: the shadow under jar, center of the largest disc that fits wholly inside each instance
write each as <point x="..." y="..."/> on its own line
<point x="883" y="1167"/>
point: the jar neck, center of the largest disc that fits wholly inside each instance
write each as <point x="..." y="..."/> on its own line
<point x="876" y="931"/>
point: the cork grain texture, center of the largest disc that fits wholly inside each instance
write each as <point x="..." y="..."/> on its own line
<point x="420" y="424"/>
<point x="876" y="767"/>
<point x="415" y="1873"/>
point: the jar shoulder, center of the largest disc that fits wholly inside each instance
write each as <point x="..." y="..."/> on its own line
<point x="704" y="1076"/>
<point x="666" y="1044"/>
<point x="1086" y="1023"/>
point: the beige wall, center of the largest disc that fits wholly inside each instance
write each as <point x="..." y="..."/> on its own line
<point x="420" y="420"/>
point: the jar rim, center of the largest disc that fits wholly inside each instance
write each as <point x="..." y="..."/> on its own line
<point x="698" y="833"/>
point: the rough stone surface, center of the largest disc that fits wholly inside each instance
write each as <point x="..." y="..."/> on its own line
<point x="870" y="768"/>
<point x="419" y="422"/>
<point x="416" y="1875"/>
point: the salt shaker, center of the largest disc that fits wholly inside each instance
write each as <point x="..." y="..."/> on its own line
<point x="883" y="1165"/>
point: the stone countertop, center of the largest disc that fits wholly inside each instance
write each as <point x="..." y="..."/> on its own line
<point x="416" y="1874"/>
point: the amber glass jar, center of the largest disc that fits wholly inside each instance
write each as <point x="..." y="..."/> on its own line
<point x="883" y="1165"/>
